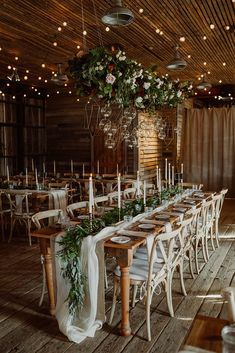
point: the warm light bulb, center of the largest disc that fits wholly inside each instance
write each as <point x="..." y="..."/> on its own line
<point x="55" y="44"/>
<point x="141" y="10"/>
<point x="45" y="81"/>
<point x="64" y="23"/>
<point x="48" y="95"/>
<point x="43" y="65"/>
<point x="25" y="95"/>
<point x="208" y="72"/>
<point x="182" y="39"/>
<point x="78" y="47"/>
<point x="9" y="67"/>
<point x="27" y="71"/>
<point x="161" y="33"/>
<point x="16" y="58"/>
<point x="58" y="92"/>
<point x="204" y="37"/>
<point x="224" y="64"/>
<point x="70" y="92"/>
<point x="157" y="30"/>
<point x="13" y="97"/>
<point x="78" y="99"/>
<point x="220" y="81"/>
<point x="227" y="28"/>
<point x="25" y="77"/>
<point x="59" y="29"/>
<point x="39" y="78"/>
<point x="204" y="63"/>
<point x="212" y="26"/>
<point x="107" y="29"/>
<point x="189" y="56"/>
<point x="84" y="33"/>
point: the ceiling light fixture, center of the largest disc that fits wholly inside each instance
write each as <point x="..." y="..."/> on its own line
<point x="59" y="78"/>
<point x="204" y="85"/>
<point x="177" y="63"/>
<point x="118" y="15"/>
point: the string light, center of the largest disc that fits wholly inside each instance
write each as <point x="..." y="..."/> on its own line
<point x="204" y="38"/>
<point x="16" y="58"/>
<point x="107" y="29"/>
<point x="43" y="65"/>
<point x="141" y="10"/>
<point x="64" y="23"/>
<point x="55" y="44"/>
<point x="182" y="39"/>
<point x="84" y="33"/>
<point x="212" y="26"/>
<point x="59" y="29"/>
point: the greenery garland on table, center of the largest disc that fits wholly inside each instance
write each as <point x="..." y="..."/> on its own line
<point x="113" y="78"/>
<point x="71" y="243"/>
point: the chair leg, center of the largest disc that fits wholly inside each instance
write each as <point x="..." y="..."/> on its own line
<point x="134" y="292"/>
<point x="168" y="288"/>
<point x="191" y="263"/>
<point x="115" y="294"/>
<point x="43" y="284"/>
<point x="196" y="257"/>
<point x="2" y="225"/>
<point x="181" y="271"/>
<point x="217" y="232"/>
<point x="211" y="236"/>
<point x="11" y="230"/>
<point x="28" y="231"/>
<point x="148" y="303"/>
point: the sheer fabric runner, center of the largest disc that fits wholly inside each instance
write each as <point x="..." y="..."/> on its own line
<point x="92" y="315"/>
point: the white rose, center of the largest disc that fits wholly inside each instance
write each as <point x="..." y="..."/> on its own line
<point x="146" y="85"/>
<point x="101" y="67"/>
<point x="110" y="79"/>
<point x="139" y="100"/>
<point x="179" y="93"/>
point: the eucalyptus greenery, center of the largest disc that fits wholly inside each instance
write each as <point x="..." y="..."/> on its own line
<point x="71" y="243"/>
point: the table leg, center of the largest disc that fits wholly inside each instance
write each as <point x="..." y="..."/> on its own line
<point x="45" y="247"/>
<point x="125" y="293"/>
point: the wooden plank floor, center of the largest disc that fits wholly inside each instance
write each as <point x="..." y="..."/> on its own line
<point x="25" y="327"/>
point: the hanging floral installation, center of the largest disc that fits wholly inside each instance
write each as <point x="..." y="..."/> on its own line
<point x="113" y="78"/>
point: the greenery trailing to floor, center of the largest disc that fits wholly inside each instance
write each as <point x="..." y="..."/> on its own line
<point x="71" y="243"/>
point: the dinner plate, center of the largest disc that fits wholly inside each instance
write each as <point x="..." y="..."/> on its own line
<point x="162" y="216"/>
<point x="146" y="226"/>
<point x="189" y="202"/>
<point x="120" y="240"/>
<point x="83" y="216"/>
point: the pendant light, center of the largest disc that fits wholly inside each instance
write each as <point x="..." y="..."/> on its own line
<point x="118" y="15"/>
<point x="204" y="85"/>
<point x="177" y="63"/>
<point x="59" y="78"/>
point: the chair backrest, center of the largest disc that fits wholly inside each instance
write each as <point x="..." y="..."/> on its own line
<point x="81" y="205"/>
<point x="166" y="243"/>
<point x="19" y="202"/>
<point x="223" y="192"/>
<point x="57" y="185"/>
<point x="129" y="193"/>
<point x="191" y="185"/>
<point x="187" y="230"/>
<point x="218" y="199"/>
<point x="196" y="213"/>
<point x="103" y="200"/>
<point x="39" y="216"/>
<point x="113" y="197"/>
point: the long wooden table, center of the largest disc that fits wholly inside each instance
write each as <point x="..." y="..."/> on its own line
<point x="122" y="252"/>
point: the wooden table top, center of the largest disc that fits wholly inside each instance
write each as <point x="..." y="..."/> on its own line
<point x="206" y="333"/>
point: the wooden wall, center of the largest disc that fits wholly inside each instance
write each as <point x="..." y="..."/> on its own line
<point x="69" y="138"/>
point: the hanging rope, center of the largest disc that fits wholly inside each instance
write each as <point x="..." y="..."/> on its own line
<point x="83" y="29"/>
<point x="97" y="25"/>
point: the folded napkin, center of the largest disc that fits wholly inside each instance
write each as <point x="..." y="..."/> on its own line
<point x="177" y="213"/>
<point x="180" y="210"/>
<point x="133" y="233"/>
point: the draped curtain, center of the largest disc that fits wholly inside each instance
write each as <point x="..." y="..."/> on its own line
<point x="208" y="148"/>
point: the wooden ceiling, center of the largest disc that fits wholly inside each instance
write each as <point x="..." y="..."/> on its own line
<point x="29" y="30"/>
